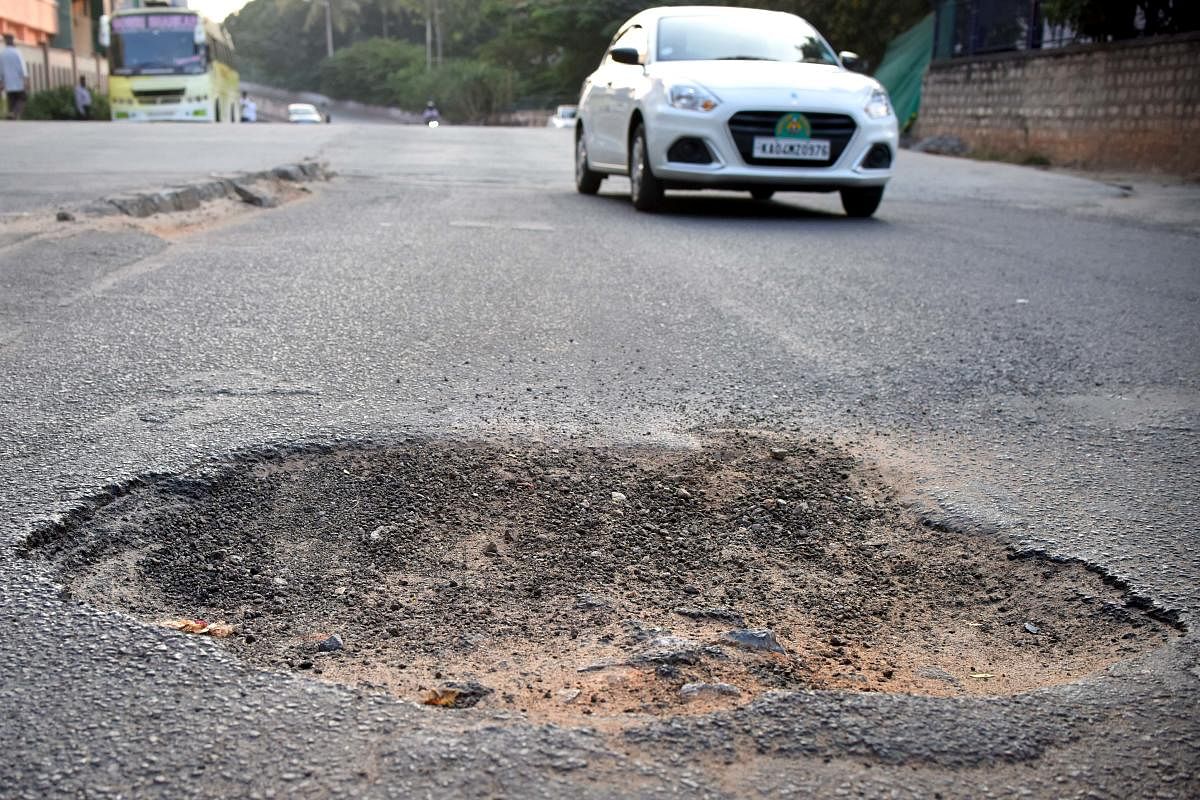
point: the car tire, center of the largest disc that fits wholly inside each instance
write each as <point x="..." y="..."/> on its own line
<point x="762" y="194"/>
<point x="861" y="203"/>
<point x="645" y="190"/>
<point x="587" y="180"/>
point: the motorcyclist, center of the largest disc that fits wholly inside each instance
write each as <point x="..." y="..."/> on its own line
<point x="431" y="113"/>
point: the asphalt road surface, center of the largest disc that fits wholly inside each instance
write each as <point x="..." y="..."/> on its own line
<point x="1023" y="345"/>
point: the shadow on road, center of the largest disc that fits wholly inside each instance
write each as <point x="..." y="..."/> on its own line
<point x="728" y="206"/>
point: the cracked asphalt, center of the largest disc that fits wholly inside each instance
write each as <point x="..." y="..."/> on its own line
<point x="1017" y="348"/>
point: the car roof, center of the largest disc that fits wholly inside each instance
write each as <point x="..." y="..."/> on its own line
<point x="652" y="14"/>
<point x="301" y="107"/>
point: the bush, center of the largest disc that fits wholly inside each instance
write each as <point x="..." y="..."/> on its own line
<point x="361" y="72"/>
<point x="59" y="103"/>
<point x="464" y="90"/>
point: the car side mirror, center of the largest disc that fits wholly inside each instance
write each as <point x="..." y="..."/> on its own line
<point x="626" y="55"/>
<point x="851" y="61"/>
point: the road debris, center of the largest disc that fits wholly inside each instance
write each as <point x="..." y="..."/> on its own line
<point x="200" y="627"/>
<point x="754" y="639"/>
<point x="692" y="691"/>
<point x="331" y="644"/>
<point x="456" y="695"/>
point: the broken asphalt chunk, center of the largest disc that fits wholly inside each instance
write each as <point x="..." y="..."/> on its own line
<point x="456" y="695"/>
<point x="755" y="639"/>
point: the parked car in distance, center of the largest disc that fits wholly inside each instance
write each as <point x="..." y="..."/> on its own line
<point x="564" y="117"/>
<point x="709" y="97"/>
<point x="304" y="113"/>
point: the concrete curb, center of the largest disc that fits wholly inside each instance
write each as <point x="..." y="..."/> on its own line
<point x="188" y="196"/>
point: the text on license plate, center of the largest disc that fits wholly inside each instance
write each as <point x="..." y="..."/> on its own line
<point x="799" y="149"/>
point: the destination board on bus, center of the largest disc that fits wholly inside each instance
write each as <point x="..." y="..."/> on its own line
<point x="153" y="22"/>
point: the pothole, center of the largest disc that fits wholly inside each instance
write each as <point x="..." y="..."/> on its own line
<point x="582" y="582"/>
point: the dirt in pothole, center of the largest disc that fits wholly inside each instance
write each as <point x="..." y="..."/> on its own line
<point x="575" y="582"/>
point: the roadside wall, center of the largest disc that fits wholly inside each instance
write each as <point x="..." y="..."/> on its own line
<point x="49" y="67"/>
<point x="1126" y="105"/>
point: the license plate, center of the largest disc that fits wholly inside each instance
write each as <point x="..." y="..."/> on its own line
<point x="798" y="149"/>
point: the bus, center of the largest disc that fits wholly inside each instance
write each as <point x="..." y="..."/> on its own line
<point x="168" y="63"/>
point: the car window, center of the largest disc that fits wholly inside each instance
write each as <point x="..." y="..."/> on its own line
<point x="757" y="37"/>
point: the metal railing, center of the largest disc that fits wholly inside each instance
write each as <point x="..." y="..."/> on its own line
<point x="965" y="28"/>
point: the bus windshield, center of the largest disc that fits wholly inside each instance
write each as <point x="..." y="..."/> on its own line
<point x="156" y="44"/>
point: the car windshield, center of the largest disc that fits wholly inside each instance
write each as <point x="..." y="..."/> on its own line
<point x="566" y="112"/>
<point x="753" y="37"/>
<point x="156" y="44"/>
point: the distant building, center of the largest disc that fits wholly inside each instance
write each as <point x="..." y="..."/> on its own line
<point x="64" y="24"/>
<point x="58" y="40"/>
<point x="79" y="25"/>
<point x="31" y="22"/>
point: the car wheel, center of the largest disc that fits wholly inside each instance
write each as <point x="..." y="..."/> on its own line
<point x="762" y="194"/>
<point x="861" y="202"/>
<point x="645" y="190"/>
<point x="587" y="181"/>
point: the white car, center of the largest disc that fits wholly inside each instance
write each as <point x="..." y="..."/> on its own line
<point x="564" y="117"/>
<point x="304" y="113"/>
<point x="707" y="97"/>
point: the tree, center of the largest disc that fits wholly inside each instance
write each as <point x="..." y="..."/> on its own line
<point x="1104" y="20"/>
<point x="330" y="14"/>
<point x="535" y="52"/>
<point x="364" y="71"/>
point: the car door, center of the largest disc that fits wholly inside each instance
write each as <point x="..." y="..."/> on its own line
<point x="617" y="84"/>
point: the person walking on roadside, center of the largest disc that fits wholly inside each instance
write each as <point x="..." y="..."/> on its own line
<point x="83" y="99"/>
<point x="13" y="76"/>
<point x="249" y="109"/>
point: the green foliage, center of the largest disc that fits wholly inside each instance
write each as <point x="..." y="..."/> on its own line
<point x="364" y="71"/>
<point x="465" y="90"/>
<point x="1118" y="19"/>
<point x="275" y="47"/>
<point x="534" y="52"/>
<point x="59" y="104"/>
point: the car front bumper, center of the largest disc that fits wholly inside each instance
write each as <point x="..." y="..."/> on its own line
<point x="730" y="170"/>
<point x="201" y="111"/>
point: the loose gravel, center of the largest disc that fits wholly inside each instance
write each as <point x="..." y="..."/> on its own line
<point x="600" y="583"/>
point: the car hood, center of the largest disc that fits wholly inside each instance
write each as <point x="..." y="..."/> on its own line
<point x="732" y="76"/>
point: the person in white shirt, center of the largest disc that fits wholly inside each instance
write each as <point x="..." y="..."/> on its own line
<point x="249" y="109"/>
<point x="83" y="99"/>
<point x="12" y="76"/>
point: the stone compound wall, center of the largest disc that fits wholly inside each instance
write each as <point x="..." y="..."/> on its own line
<point x="1128" y="105"/>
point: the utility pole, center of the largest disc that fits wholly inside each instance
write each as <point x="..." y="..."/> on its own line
<point x="328" y="29"/>
<point x="428" y="43"/>
<point x="433" y="34"/>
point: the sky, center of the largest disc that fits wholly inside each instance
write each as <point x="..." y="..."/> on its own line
<point x="216" y="9"/>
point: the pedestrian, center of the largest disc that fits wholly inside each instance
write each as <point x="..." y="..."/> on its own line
<point x="83" y="99"/>
<point x="249" y="109"/>
<point x="13" y="76"/>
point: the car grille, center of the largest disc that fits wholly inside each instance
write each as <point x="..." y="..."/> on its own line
<point x="745" y="125"/>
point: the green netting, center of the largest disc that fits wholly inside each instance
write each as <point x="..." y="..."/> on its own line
<point x="903" y="68"/>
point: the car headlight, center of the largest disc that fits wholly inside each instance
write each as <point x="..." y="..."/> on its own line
<point x="691" y="97"/>
<point x="879" y="106"/>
